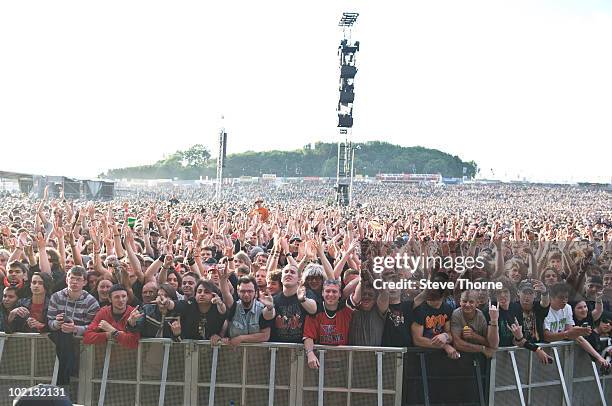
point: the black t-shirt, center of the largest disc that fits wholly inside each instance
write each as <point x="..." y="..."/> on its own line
<point x="432" y="320"/>
<point x="197" y="325"/>
<point x="533" y="327"/>
<point x="398" y="320"/>
<point x="137" y="290"/>
<point x="290" y="316"/>
<point x="506" y="319"/>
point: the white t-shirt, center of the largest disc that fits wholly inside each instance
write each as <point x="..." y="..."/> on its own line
<point x="557" y="320"/>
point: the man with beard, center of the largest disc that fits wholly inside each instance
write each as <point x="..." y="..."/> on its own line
<point x="331" y="326"/>
<point x="245" y="321"/>
<point x="111" y="321"/>
<point x="290" y="307"/>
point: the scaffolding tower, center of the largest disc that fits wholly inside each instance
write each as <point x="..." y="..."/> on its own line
<point x="347" y="52"/>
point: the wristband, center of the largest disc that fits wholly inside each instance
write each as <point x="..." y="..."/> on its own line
<point x="115" y="334"/>
<point x="162" y="257"/>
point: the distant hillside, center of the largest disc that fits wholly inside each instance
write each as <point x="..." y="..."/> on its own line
<point x="372" y="158"/>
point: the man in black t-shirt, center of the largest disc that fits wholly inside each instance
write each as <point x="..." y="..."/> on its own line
<point x="290" y="308"/>
<point x="431" y="326"/>
<point x="202" y="316"/>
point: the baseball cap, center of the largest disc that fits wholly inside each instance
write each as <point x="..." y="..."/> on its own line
<point x="525" y="285"/>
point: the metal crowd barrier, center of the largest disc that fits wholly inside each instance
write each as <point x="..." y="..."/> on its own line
<point x="573" y="378"/>
<point x="192" y="372"/>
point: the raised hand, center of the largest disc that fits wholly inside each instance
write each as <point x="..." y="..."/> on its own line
<point x="494" y="313"/>
<point x="267" y="300"/>
<point x="134" y="316"/>
<point x="301" y="291"/>
<point x="216" y="299"/>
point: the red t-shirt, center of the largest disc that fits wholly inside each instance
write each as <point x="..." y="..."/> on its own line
<point x="329" y="331"/>
<point x="36" y="312"/>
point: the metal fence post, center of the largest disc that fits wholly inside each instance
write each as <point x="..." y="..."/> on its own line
<point x="164" y="374"/>
<point x="568" y="371"/>
<point x="517" y="377"/>
<point x="86" y="366"/>
<point x="296" y="392"/>
<point x="272" y="379"/>
<point x="321" y="377"/>
<point x="424" y="379"/>
<point x="104" y="374"/>
<point x="492" y="380"/>
<point x="399" y="378"/>
<point x="379" y="380"/>
<point x="567" y="400"/>
<point x="213" y="376"/>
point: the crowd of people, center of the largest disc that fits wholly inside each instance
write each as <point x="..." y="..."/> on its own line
<point x="282" y="263"/>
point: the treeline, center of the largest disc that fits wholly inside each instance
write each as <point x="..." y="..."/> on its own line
<point x="371" y="158"/>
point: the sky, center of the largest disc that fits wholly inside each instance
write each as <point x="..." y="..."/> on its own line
<point x="523" y="87"/>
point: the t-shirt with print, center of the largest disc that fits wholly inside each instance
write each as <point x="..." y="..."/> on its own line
<point x="432" y="319"/>
<point x="329" y="327"/>
<point x="531" y="321"/>
<point x="397" y="325"/>
<point x="290" y="316"/>
<point x="506" y="319"/>
<point x="557" y="320"/>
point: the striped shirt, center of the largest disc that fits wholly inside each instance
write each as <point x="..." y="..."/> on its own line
<point x="82" y="311"/>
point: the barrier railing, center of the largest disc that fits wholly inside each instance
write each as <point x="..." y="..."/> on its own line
<point x="573" y="378"/>
<point x="192" y="372"/>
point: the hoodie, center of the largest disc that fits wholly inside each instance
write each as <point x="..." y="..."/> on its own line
<point x="82" y="311"/>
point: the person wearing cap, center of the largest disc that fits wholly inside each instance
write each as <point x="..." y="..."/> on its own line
<point x="528" y="312"/>
<point x="593" y="291"/>
<point x="111" y="321"/>
<point x="260" y="210"/>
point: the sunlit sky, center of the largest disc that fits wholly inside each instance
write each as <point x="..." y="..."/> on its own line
<point x="524" y="88"/>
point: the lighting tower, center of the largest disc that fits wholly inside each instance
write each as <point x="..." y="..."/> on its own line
<point x="220" y="161"/>
<point x="347" y="52"/>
